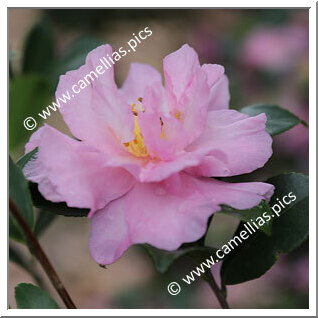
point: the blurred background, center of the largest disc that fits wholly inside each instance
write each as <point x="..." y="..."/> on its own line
<point x="265" y="55"/>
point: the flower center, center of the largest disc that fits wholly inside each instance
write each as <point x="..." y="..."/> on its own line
<point x="137" y="146"/>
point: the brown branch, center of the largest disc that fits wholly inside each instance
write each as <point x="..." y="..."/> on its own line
<point x="38" y="252"/>
<point x="217" y="291"/>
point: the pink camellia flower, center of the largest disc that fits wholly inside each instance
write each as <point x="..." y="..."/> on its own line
<point x="144" y="153"/>
<point x="275" y="48"/>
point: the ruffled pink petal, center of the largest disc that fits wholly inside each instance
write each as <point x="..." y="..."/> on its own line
<point x="155" y="170"/>
<point x="66" y="170"/>
<point x="237" y="144"/>
<point x="34" y="170"/>
<point x="179" y="68"/>
<point x="214" y="72"/>
<point x="219" y="95"/>
<point x="187" y="94"/>
<point x="140" y="76"/>
<point x="193" y="106"/>
<point x="99" y="106"/>
<point x="165" y="214"/>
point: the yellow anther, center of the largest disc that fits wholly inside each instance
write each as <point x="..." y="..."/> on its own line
<point x="162" y="129"/>
<point x="137" y="146"/>
<point x="133" y="106"/>
<point x="177" y="114"/>
<point x="139" y="103"/>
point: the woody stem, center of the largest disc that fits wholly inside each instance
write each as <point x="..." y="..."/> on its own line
<point x="37" y="251"/>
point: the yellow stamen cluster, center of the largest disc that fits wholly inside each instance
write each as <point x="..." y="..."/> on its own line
<point x="137" y="146"/>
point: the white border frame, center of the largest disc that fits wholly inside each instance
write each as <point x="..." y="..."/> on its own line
<point x="312" y="162"/>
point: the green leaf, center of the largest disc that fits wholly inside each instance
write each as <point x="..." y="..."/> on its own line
<point x="58" y="208"/>
<point x="19" y="193"/>
<point x="39" y="49"/>
<point x="74" y="56"/>
<point x="278" y="119"/>
<point x="290" y="228"/>
<point x="297" y="183"/>
<point x="164" y="259"/>
<point x="27" y="264"/>
<point x="250" y="214"/>
<point x="15" y="232"/>
<point x="28" y="296"/>
<point x="250" y="260"/>
<point x="28" y="95"/>
<point x="11" y="74"/>
<point x="16" y="257"/>
<point x="22" y="161"/>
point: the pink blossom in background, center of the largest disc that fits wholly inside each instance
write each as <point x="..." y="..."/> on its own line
<point x="275" y="48"/>
<point x="145" y="153"/>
